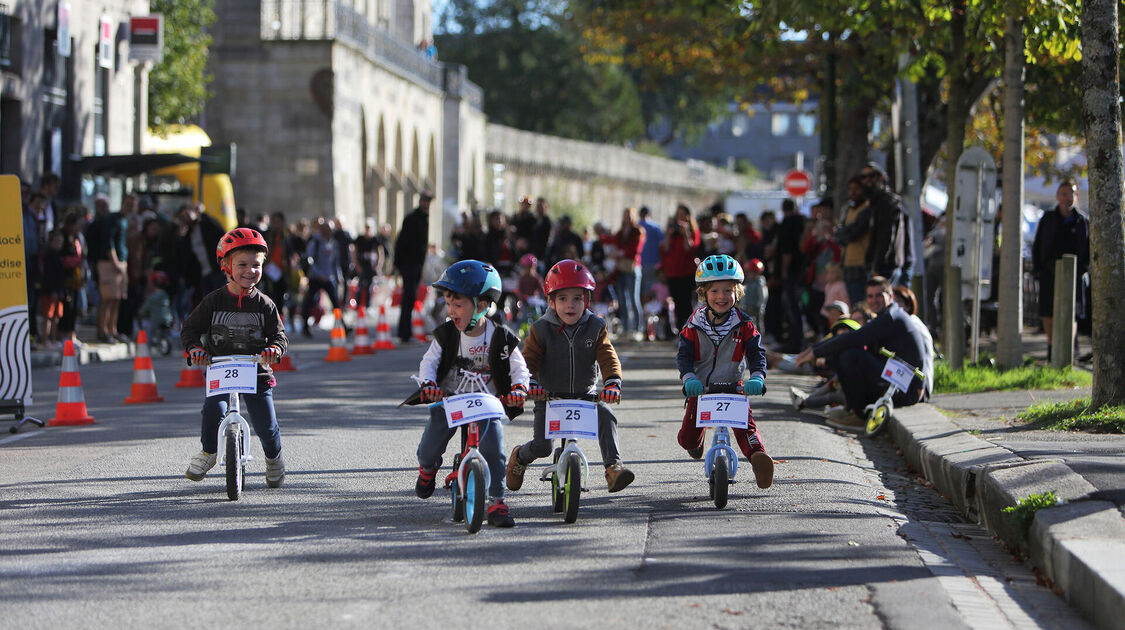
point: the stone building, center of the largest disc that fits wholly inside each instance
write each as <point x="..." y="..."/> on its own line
<point x="69" y="88"/>
<point x="337" y="110"/>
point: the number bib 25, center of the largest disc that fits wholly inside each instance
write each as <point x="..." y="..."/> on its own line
<point x="232" y="377"/>
<point x="722" y="410"/>
<point x="572" y="419"/>
<point x="898" y="373"/>
<point x="466" y="408"/>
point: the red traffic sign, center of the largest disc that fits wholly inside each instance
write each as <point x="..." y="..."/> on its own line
<point x="797" y="183"/>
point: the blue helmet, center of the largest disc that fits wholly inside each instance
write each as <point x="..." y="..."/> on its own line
<point x="719" y="267"/>
<point x="471" y="278"/>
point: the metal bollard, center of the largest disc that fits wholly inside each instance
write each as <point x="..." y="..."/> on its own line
<point x="1062" y="342"/>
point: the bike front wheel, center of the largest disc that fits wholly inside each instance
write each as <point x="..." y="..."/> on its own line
<point x="572" y="488"/>
<point x="234" y="466"/>
<point x="720" y="480"/>
<point x="877" y="420"/>
<point x="475" y="496"/>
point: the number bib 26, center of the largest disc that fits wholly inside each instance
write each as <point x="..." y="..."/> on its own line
<point x="572" y="419"/>
<point x="466" y="408"/>
<point x="232" y="377"/>
<point x="722" y="410"/>
<point x="898" y="373"/>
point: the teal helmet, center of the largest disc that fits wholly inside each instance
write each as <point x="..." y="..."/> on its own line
<point x="719" y="267"/>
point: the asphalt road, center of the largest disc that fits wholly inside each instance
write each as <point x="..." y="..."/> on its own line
<point x="100" y="528"/>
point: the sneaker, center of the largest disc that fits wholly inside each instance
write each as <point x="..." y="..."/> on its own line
<point x="498" y="515"/>
<point x="120" y="338"/>
<point x="424" y="487"/>
<point x="696" y="453"/>
<point x="763" y="469"/>
<point x="514" y="476"/>
<point x="275" y="471"/>
<point x="797" y="397"/>
<point x="847" y="421"/>
<point x="617" y="477"/>
<point x="200" y="464"/>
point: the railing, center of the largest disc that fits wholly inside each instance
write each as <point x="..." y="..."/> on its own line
<point x="333" y="20"/>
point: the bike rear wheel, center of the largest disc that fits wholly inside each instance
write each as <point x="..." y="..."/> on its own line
<point x="475" y="496"/>
<point x="877" y="420"/>
<point x="458" y="503"/>
<point x="572" y="487"/>
<point x="234" y="466"/>
<point x="720" y="480"/>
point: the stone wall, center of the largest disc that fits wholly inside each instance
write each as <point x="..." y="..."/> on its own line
<point x="594" y="182"/>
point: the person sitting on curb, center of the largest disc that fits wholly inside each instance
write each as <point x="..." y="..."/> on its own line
<point x="852" y="354"/>
<point x="827" y="392"/>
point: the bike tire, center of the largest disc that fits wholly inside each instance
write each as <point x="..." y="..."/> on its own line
<point x="572" y="488"/>
<point x="877" y="420"/>
<point x="234" y="467"/>
<point x="720" y="480"/>
<point x="476" y="496"/>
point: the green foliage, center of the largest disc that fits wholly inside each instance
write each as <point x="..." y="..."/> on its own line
<point x="1023" y="512"/>
<point x="528" y="60"/>
<point x="982" y="378"/>
<point x="177" y="86"/>
<point x="1077" y="415"/>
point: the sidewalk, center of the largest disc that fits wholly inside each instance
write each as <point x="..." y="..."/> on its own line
<point x="983" y="462"/>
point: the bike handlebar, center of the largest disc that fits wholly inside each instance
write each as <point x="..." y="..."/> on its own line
<point x="726" y="388"/>
<point x="890" y="355"/>
<point x="571" y="396"/>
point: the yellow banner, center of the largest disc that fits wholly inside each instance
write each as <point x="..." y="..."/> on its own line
<point x="13" y="283"/>
<point x="15" y="338"/>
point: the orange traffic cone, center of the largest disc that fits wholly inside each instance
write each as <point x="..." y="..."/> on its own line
<point x="417" y="325"/>
<point x="338" y="344"/>
<point x="144" y="380"/>
<point x="71" y="408"/>
<point x="362" y="338"/>
<point x="285" y="365"/>
<point x="383" y="331"/>
<point x="191" y="376"/>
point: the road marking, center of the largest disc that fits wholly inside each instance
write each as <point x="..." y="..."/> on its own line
<point x="18" y="437"/>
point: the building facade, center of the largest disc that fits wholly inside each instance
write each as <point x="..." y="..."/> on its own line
<point x="337" y="110"/>
<point x="69" y="88"/>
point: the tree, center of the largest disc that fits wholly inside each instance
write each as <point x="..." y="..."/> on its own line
<point x="1101" y="113"/>
<point x="1010" y="343"/>
<point x="177" y="86"/>
<point x="528" y="61"/>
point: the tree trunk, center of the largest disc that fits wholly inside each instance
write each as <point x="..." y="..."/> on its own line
<point x="1009" y="352"/>
<point x="952" y="321"/>
<point x="1101" y="114"/>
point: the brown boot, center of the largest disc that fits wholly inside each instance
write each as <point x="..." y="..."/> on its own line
<point x="617" y="476"/>
<point x="763" y="469"/>
<point x="515" y="470"/>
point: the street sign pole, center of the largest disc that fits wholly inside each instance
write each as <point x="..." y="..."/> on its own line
<point x="970" y="248"/>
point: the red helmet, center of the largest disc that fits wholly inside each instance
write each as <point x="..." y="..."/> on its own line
<point x="568" y="274"/>
<point x="237" y="239"/>
<point x="755" y="265"/>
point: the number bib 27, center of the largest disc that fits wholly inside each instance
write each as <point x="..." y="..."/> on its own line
<point x="572" y="419"/>
<point x="239" y="377"/>
<point x="722" y="410"/>
<point x="466" y="408"/>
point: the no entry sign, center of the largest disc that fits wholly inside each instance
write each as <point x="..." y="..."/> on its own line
<point x="797" y="183"/>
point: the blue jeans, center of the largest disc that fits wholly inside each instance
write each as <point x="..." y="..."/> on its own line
<point x="628" y="285"/>
<point x="437" y="435"/>
<point x="256" y="408"/>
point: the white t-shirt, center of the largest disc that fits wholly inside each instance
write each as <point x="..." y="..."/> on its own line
<point x="472" y="356"/>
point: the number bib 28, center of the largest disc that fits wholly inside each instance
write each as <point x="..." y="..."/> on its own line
<point x="898" y="373"/>
<point x="232" y="377"/>
<point x="466" y="408"/>
<point x="722" y="410"/>
<point x="572" y="419"/>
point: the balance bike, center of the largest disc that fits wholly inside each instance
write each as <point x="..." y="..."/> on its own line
<point x="569" y="416"/>
<point x="898" y="374"/>
<point x="722" y="407"/>
<point x="231" y="376"/>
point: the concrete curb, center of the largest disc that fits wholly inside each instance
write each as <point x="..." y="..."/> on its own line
<point x="1080" y="544"/>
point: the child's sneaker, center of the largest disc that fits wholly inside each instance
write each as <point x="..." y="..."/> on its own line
<point x="200" y="464"/>
<point x="763" y="469"/>
<point x="498" y="514"/>
<point x="424" y="487"/>
<point x="617" y="477"/>
<point x="797" y="397"/>
<point x="515" y="472"/>
<point x="275" y="471"/>
<point x="696" y="453"/>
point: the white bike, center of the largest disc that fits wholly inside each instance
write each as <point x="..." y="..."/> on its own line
<point x="231" y="376"/>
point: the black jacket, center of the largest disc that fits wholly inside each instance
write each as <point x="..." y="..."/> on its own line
<point x="892" y="330"/>
<point x="413" y="240"/>
<point x="1055" y="237"/>
<point x="888" y="247"/>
